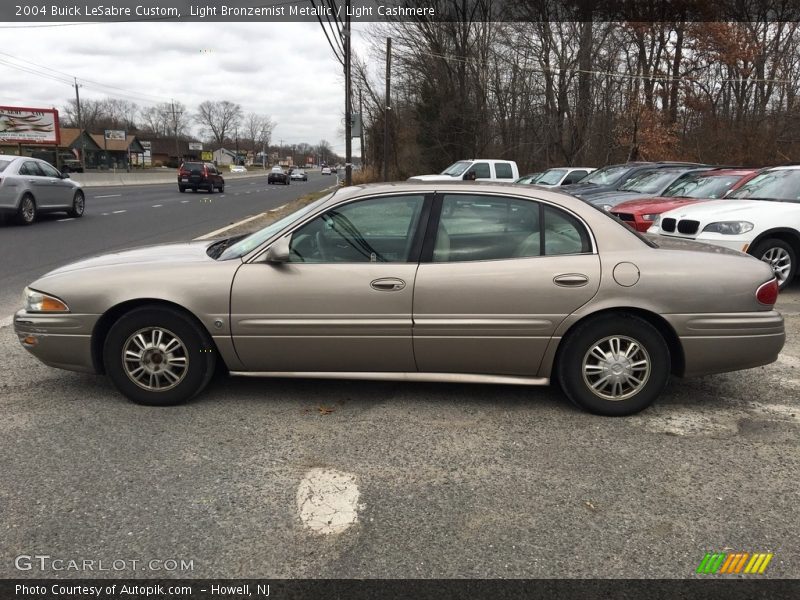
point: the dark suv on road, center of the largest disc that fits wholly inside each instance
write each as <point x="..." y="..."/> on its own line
<point x="194" y="175"/>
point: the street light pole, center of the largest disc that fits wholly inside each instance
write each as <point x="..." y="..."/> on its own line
<point x="348" y="113"/>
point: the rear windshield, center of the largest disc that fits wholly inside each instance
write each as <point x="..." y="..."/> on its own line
<point x="702" y="186"/>
<point x="193" y="166"/>
<point x="606" y="175"/>
<point x="551" y="177"/>
<point x="649" y="182"/>
<point x="4" y="164"/>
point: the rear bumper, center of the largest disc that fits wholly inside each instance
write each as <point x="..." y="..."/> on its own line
<point x="63" y="341"/>
<point x="720" y="343"/>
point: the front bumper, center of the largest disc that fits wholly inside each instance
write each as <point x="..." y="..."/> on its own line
<point x="718" y="343"/>
<point x="61" y="340"/>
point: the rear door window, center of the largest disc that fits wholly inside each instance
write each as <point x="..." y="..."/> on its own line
<point x="503" y="170"/>
<point x="482" y="170"/>
<point x="31" y="168"/>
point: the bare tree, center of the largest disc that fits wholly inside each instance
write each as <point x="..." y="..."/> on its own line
<point x="258" y="130"/>
<point x="218" y="118"/>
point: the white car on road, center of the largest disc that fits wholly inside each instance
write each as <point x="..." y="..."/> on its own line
<point x="761" y="218"/>
<point x="238" y="169"/>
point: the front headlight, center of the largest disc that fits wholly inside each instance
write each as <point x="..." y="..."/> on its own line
<point x="657" y="222"/>
<point x="38" y="302"/>
<point x="653" y="217"/>
<point x="729" y="227"/>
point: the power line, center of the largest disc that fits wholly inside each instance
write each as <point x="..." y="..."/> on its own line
<point x="549" y="69"/>
<point x="325" y="31"/>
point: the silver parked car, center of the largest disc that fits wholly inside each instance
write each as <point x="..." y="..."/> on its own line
<point x="29" y="186"/>
<point x="463" y="282"/>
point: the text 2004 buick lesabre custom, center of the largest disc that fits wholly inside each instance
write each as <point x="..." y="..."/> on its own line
<point x="462" y="282"/>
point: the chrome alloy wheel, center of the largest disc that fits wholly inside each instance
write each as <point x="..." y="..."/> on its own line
<point x="616" y="368"/>
<point x="155" y="359"/>
<point x="28" y="209"/>
<point x="78" y="204"/>
<point x="780" y="262"/>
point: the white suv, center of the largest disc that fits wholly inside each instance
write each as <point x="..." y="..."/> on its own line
<point x="761" y="218"/>
<point x="480" y="169"/>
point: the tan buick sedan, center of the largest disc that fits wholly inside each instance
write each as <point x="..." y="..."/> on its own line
<point x="484" y="283"/>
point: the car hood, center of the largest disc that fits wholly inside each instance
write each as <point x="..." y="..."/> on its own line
<point x="164" y="253"/>
<point x="614" y="197"/>
<point x="584" y="189"/>
<point x="721" y="210"/>
<point x="672" y="243"/>
<point x="438" y="177"/>
<point x="657" y="205"/>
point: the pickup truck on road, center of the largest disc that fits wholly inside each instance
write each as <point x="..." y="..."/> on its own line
<point x="478" y="169"/>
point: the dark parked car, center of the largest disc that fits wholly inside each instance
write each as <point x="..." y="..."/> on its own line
<point x="195" y="175"/>
<point x="277" y="175"/>
<point x="648" y="183"/>
<point x="613" y="176"/>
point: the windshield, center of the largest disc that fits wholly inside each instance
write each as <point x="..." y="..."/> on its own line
<point x="702" y="186"/>
<point x="781" y="184"/>
<point x="649" y="182"/>
<point x="606" y="175"/>
<point x="457" y="169"/>
<point x="551" y="177"/>
<point x="254" y="240"/>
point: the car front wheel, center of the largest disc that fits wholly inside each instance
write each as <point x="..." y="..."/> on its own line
<point x="158" y="356"/>
<point x="78" y="205"/>
<point x="613" y="365"/>
<point x="780" y="256"/>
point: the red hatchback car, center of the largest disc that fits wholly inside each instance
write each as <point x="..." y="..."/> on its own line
<point x="706" y="185"/>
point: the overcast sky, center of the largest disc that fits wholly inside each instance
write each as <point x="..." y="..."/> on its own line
<point x="284" y="70"/>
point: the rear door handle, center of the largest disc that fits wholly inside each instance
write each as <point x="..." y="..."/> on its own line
<point x="388" y="284"/>
<point x="571" y="280"/>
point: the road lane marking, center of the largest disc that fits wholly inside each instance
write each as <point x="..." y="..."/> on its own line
<point x="327" y="501"/>
<point x="116" y="212"/>
<point x="217" y="232"/>
<point x="67" y="219"/>
<point x="184" y="202"/>
<point x="276" y="208"/>
<point x="157" y="205"/>
<point x="108" y="196"/>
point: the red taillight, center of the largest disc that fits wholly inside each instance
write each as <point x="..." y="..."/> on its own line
<point x="767" y="293"/>
<point x="183" y="172"/>
<point x="205" y="171"/>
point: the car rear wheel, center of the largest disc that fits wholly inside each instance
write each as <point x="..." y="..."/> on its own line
<point x="182" y="189"/>
<point x="221" y="188"/>
<point x="613" y="365"/>
<point x="158" y="356"/>
<point x="78" y="205"/>
<point x="26" y="213"/>
<point x="211" y="189"/>
<point x="780" y="256"/>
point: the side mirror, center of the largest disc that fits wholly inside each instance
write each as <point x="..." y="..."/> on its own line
<point x="65" y="176"/>
<point x="470" y="175"/>
<point x="279" y="251"/>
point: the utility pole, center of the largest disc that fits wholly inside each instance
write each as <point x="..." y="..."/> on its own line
<point x="348" y="111"/>
<point x="386" y="112"/>
<point x="80" y="127"/>
<point x="361" y="141"/>
<point x="175" y="127"/>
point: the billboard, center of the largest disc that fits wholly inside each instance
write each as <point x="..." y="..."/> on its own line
<point x="29" y="125"/>
<point x="195" y="146"/>
<point x="115" y="134"/>
<point x="207" y="155"/>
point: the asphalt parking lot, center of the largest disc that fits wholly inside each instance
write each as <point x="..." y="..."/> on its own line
<point x="307" y="479"/>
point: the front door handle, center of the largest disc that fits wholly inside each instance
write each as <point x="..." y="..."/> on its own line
<point x="388" y="284"/>
<point x="571" y="280"/>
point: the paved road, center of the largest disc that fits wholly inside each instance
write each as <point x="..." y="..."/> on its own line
<point x="437" y="480"/>
<point x="125" y="216"/>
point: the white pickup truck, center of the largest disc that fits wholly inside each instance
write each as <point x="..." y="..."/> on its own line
<point x="483" y="169"/>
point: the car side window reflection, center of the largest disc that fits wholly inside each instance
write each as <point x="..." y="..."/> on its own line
<point x="373" y="230"/>
<point x="473" y="228"/>
<point x="49" y="171"/>
<point x="31" y="168"/>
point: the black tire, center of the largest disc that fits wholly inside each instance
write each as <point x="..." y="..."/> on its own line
<point x="777" y="253"/>
<point x="211" y="189"/>
<point x="182" y="189"/>
<point x="26" y="213"/>
<point x="196" y="346"/>
<point x="600" y="331"/>
<point x="194" y="190"/>
<point x="78" y="205"/>
<point x="222" y="188"/>
<point x="288" y="181"/>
